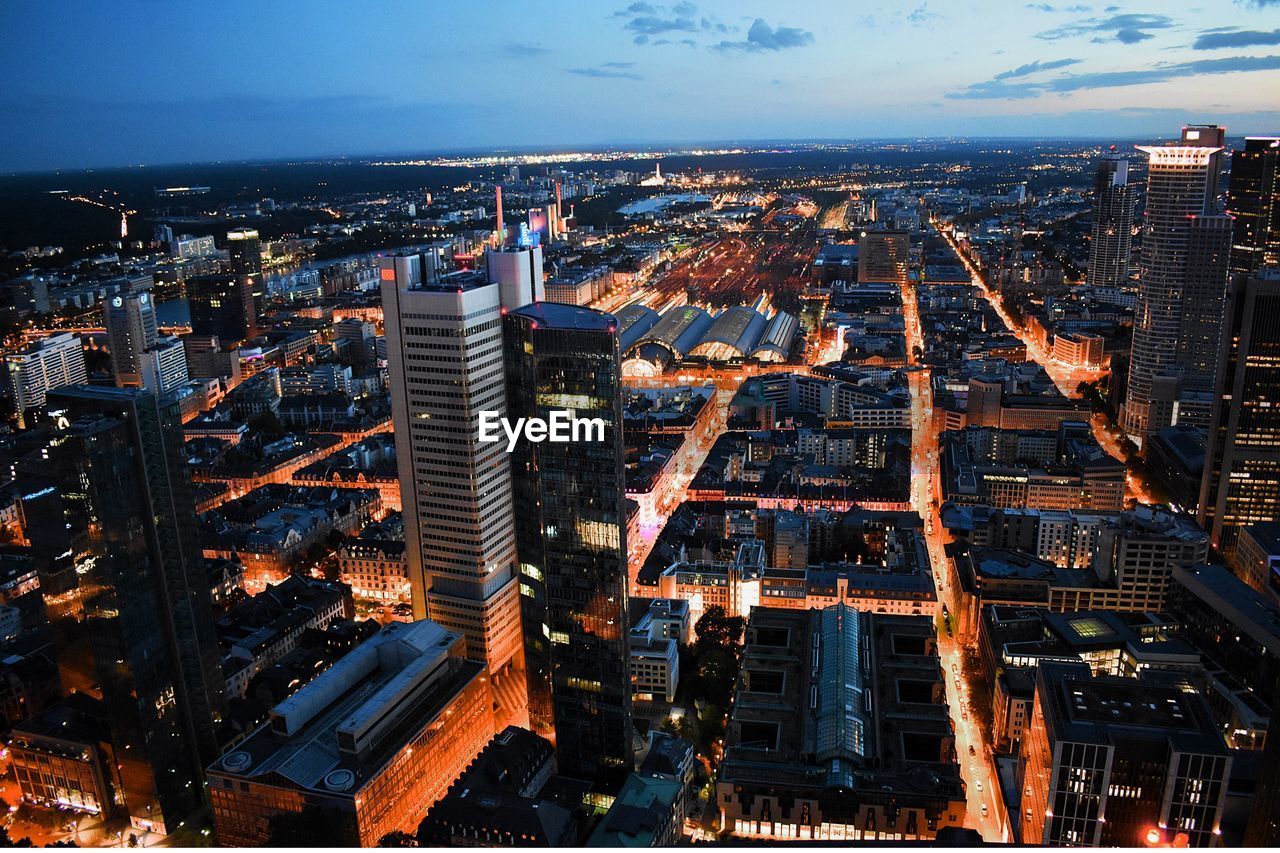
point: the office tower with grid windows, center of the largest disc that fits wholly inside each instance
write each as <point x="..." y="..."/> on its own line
<point x="571" y="533"/>
<point x="1254" y="200"/>
<point x="445" y="362"/>
<point x="884" y="256"/>
<point x="130" y="320"/>
<point x="1241" y="484"/>
<point x="1182" y="283"/>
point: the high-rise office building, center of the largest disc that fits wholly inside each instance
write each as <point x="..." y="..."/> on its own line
<point x="571" y="531"/>
<point x="1111" y="761"/>
<point x="143" y="640"/>
<point x="1112" y="233"/>
<point x="130" y="320"/>
<point x="1254" y="200"/>
<point x="42" y="366"/>
<point x="164" y="365"/>
<point x="1241" y="483"/>
<point x="444" y="353"/>
<point x="244" y="254"/>
<point x="222" y="304"/>
<point x="1179" y="289"/>
<point x="517" y="270"/>
<point x="884" y="256"/>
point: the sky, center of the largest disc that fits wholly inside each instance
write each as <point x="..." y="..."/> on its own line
<point x="92" y="84"/>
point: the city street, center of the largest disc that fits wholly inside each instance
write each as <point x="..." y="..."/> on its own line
<point x="977" y="769"/>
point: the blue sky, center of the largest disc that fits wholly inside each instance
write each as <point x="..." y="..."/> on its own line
<point x="143" y="81"/>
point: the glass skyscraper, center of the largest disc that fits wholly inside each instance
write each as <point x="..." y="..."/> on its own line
<point x="1254" y="201"/>
<point x="137" y="631"/>
<point x="571" y="537"/>
<point x="1112" y="233"/>
<point x="1241" y="483"/>
<point x="1185" y="251"/>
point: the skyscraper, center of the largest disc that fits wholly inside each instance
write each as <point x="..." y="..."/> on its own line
<point x="222" y="305"/>
<point x="884" y="256"/>
<point x="1179" y="289"/>
<point x="1254" y="201"/>
<point x="517" y="270"/>
<point x="40" y="367"/>
<point x="571" y="532"/>
<point x="444" y="353"/>
<point x="144" y="641"/>
<point x="130" y="320"/>
<point x="1112" y="234"/>
<point x="1241" y="483"/>
<point x="244" y="253"/>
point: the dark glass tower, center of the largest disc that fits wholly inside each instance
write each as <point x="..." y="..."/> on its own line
<point x="244" y="255"/>
<point x="1254" y="201"/>
<point x="1112" y="235"/>
<point x="141" y="633"/>
<point x="1241" y="483"/>
<point x="571" y="537"/>
<point x="221" y="305"/>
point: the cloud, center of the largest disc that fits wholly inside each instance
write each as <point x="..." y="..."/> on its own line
<point x="998" y="88"/>
<point x="921" y="14"/>
<point x="524" y="49"/>
<point x="1035" y="68"/>
<point x="636" y="9"/>
<point x="608" y="70"/>
<point x="653" y="23"/>
<point x="1126" y="29"/>
<point x="1217" y="39"/>
<point x="762" y="37"/>
<point x="1045" y="7"/>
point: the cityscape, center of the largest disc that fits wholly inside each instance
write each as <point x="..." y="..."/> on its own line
<point x="640" y="425"/>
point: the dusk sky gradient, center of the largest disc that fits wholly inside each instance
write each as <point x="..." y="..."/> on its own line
<point x="146" y="82"/>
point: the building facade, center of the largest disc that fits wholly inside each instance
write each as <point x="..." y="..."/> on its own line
<point x="141" y="617"/>
<point x="1241" y="483"/>
<point x="444" y="347"/>
<point x="571" y="530"/>
<point x="1182" y="247"/>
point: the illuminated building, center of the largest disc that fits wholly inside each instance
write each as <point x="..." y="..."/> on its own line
<point x="1254" y="200"/>
<point x="130" y="320"/>
<point x="43" y="365"/>
<point x="1112" y="234"/>
<point x="116" y="456"/>
<point x="244" y="254"/>
<point x="62" y="757"/>
<point x="1185" y="257"/>
<point x="517" y="270"/>
<point x="884" y="256"/>
<point x="1106" y="759"/>
<point x="222" y="305"/>
<point x="376" y="739"/>
<point x="444" y="348"/>
<point x="571" y="532"/>
<point x="840" y="731"/>
<point x="1242" y="461"/>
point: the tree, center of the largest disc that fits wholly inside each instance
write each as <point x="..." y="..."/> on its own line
<point x="312" y="827"/>
<point x="398" y="839"/>
<point x="267" y="424"/>
<point x="8" y="841"/>
<point x="716" y="629"/>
